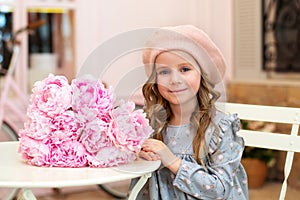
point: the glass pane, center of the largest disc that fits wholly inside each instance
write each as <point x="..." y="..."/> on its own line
<point x="5" y="36"/>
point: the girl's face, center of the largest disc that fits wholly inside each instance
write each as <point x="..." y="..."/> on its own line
<point x="178" y="77"/>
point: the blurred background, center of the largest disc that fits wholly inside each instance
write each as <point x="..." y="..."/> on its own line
<point x="260" y="40"/>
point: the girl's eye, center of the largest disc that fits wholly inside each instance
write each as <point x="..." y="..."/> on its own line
<point x="185" y="69"/>
<point x="163" y="72"/>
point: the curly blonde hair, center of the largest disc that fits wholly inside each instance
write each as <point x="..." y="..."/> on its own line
<point x="159" y="113"/>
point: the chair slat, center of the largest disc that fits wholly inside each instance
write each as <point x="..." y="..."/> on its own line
<point x="263" y="113"/>
<point x="276" y="141"/>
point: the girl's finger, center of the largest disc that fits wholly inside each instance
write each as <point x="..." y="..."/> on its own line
<point x="149" y="156"/>
<point x="145" y="155"/>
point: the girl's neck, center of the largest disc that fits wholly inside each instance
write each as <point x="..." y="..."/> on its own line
<point x="181" y="114"/>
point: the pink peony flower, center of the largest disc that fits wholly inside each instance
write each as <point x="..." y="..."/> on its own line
<point x="65" y="127"/>
<point x="33" y="151"/>
<point x="91" y="99"/>
<point x="94" y="136"/>
<point x="110" y="156"/>
<point x="68" y="153"/>
<point x="51" y="96"/>
<point x="129" y="128"/>
<point x="37" y="126"/>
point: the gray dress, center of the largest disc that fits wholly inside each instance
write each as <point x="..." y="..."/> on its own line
<point x="223" y="178"/>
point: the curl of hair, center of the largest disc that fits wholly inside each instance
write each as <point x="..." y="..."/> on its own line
<point x="157" y="108"/>
<point x="202" y="118"/>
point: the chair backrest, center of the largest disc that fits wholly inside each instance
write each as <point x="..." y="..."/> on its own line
<point x="277" y="141"/>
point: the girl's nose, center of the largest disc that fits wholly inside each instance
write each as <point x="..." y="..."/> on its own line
<point x="175" y="78"/>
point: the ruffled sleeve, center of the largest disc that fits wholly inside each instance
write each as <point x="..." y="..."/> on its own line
<point x="230" y="121"/>
<point x="224" y="176"/>
<point x="227" y="128"/>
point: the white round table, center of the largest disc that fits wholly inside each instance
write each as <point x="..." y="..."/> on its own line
<point x="17" y="174"/>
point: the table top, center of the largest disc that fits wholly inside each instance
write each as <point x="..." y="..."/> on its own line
<point x="15" y="173"/>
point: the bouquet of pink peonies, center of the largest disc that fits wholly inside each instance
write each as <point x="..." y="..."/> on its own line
<point x="78" y="125"/>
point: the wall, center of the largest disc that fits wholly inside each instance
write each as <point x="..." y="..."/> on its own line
<point x="99" y="20"/>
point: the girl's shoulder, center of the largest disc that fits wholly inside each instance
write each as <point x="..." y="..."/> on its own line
<point x="223" y="125"/>
<point x="224" y="121"/>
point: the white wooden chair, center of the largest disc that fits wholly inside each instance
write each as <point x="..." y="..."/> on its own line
<point x="277" y="141"/>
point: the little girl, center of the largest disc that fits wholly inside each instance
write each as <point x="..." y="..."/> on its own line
<point x="197" y="144"/>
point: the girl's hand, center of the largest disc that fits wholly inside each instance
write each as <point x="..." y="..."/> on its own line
<point x="148" y="155"/>
<point x="159" y="148"/>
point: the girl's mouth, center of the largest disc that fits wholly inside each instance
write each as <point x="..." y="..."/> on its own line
<point x="178" y="90"/>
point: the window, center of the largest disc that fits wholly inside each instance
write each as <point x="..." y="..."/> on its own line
<point x="281" y="35"/>
<point x="266" y="39"/>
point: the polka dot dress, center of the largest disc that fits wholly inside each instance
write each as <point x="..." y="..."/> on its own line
<point x="223" y="177"/>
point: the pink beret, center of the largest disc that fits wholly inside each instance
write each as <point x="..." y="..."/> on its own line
<point x="189" y="39"/>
